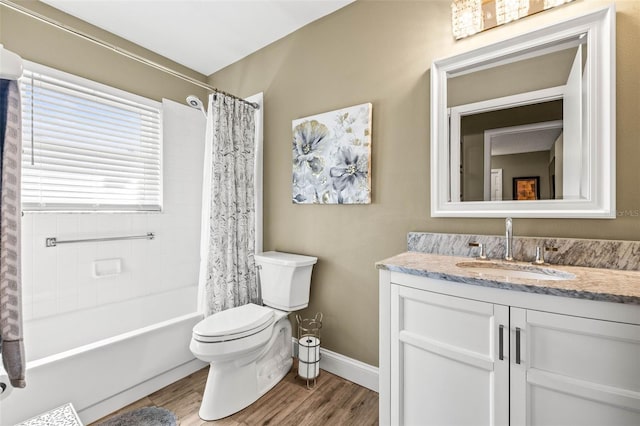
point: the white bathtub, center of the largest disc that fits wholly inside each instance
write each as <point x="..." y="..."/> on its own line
<point x="105" y="358"/>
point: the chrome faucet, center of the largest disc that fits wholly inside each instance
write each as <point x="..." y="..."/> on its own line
<point x="508" y="255"/>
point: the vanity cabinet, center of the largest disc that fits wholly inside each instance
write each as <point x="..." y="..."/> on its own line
<point x="459" y="354"/>
<point x="444" y="362"/>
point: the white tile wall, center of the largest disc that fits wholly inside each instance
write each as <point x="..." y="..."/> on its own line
<point x="61" y="279"/>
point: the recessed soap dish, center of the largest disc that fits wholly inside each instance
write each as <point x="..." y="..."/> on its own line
<point x="107" y="267"/>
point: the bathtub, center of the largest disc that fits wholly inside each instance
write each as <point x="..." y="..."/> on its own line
<point x="104" y="358"/>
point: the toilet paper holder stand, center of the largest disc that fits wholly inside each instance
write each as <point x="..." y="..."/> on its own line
<point x="309" y="348"/>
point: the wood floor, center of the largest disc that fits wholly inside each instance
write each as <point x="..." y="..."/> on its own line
<point x="333" y="401"/>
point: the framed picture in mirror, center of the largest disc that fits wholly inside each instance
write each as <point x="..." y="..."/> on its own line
<point x="526" y="188"/>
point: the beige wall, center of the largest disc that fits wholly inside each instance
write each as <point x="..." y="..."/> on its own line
<point x="540" y="72"/>
<point x="45" y="44"/>
<point x="380" y="52"/>
<point x="527" y="164"/>
<point x="370" y="51"/>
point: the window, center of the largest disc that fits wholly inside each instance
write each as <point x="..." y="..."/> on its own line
<point x="87" y="146"/>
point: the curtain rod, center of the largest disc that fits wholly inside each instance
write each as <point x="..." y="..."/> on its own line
<point x="118" y="50"/>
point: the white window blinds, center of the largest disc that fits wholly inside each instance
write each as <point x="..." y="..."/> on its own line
<point x="87" y="146"/>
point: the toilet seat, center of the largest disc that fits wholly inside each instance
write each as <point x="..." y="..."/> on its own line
<point x="234" y="323"/>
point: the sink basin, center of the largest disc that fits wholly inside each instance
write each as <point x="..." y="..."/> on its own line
<point x="514" y="270"/>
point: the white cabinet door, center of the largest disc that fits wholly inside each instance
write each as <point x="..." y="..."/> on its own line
<point x="445" y="360"/>
<point x="573" y="371"/>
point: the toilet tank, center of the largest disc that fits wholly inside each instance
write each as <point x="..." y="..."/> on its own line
<point x="285" y="279"/>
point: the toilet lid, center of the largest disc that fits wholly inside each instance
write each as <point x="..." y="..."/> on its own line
<point x="233" y="323"/>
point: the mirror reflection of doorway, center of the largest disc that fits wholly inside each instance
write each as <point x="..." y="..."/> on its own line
<point x="523" y="151"/>
<point x="496" y="184"/>
<point x="517" y="130"/>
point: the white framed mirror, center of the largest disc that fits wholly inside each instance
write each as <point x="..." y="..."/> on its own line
<point x="526" y="127"/>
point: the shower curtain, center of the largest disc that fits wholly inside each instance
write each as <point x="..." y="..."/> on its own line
<point x="227" y="264"/>
<point x="10" y="212"/>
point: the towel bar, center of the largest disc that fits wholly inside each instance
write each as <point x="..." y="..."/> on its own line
<point x="53" y="241"/>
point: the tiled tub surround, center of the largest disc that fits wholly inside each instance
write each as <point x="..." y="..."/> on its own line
<point x="605" y="254"/>
<point x="59" y="280"/>
<point x="98" y="340"/>
<point x="589" y="283"/>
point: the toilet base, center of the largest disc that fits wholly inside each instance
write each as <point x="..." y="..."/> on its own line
<point x="234" y="385"/>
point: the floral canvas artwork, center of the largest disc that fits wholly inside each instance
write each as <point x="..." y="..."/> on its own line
<point x="332" y="157"/>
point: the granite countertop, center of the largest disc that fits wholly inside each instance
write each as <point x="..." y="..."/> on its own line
<point x="608" y="285"/>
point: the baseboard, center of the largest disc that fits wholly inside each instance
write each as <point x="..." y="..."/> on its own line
<point x="348" y="368"/>
<point x="122" y="399"/>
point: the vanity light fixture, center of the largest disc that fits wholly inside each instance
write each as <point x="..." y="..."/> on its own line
<point x="466" y="17"/>
<point x="472" y="16"/>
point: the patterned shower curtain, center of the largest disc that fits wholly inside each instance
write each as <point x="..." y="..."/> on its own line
<point x="230" y="274"/>
<point x="10" y="212"/>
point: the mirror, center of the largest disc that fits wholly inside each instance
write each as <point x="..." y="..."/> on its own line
<point x="526" y="127"/>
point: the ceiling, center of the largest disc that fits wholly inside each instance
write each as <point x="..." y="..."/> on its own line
<point x="525" y="139"/>
<point x="204" y="35"/>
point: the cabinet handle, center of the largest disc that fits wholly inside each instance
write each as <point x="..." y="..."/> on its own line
<point x="501" y="342"/>
<point x="517" y="345"/>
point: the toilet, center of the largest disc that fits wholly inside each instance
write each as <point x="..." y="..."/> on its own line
<point x="249" y="346"/>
